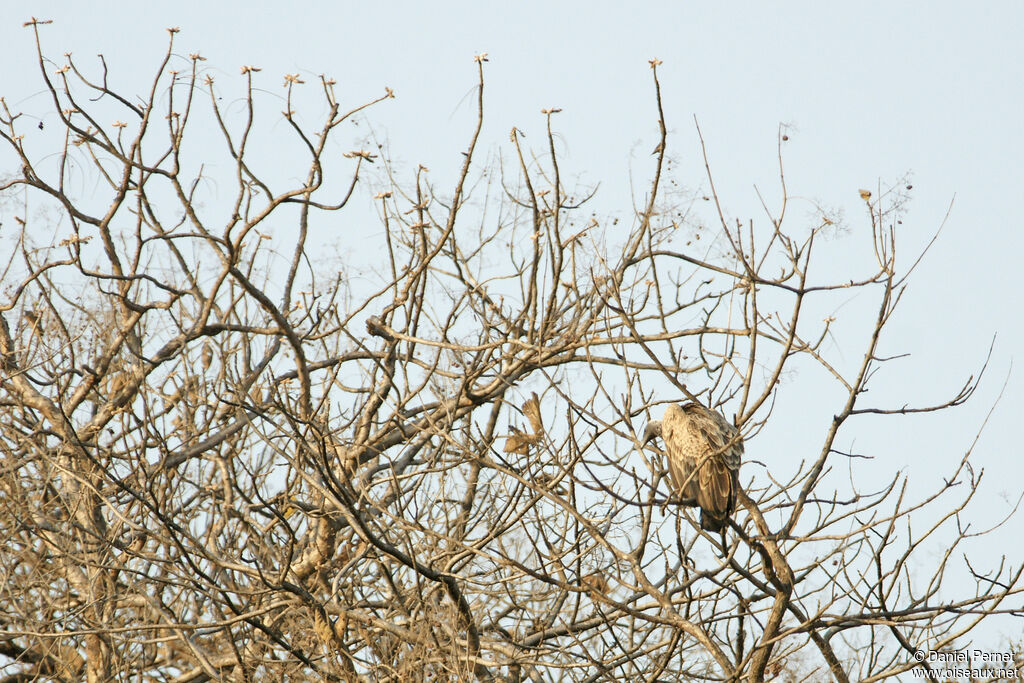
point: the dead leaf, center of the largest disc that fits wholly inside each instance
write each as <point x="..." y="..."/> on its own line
<point x="532" y="411"/>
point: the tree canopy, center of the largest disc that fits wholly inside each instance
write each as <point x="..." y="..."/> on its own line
<point x="231" y="454"/>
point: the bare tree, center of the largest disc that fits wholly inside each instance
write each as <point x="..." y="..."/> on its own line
<point x="224" y="460"/>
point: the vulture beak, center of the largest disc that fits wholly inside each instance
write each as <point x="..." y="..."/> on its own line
<point x="653" y="430"/>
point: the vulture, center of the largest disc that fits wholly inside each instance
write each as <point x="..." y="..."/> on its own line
<point x="704" y="452"/>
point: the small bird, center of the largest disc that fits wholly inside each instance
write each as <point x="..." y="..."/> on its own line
<point x="704" y="452"/>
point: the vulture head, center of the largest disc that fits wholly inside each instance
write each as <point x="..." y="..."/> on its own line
<point x="652" y="432"/>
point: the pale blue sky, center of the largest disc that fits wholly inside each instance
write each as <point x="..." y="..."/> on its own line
<point x="872" y="90"/>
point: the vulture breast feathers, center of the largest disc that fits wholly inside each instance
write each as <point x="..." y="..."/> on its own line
<point x="704" y="451"/>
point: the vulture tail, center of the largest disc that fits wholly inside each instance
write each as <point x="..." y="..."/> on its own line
<point x="713" y="524"/>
